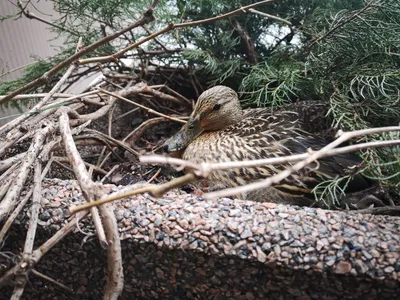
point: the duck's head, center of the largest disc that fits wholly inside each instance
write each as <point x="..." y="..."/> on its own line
<point x="215" y="109"/>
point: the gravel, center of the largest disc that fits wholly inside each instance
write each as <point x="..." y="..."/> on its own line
<point x="182" y="247"/>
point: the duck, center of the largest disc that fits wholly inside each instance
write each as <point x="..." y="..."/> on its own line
<point x="219" y="130"/>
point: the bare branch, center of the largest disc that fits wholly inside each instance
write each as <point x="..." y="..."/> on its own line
<point x="30" y="15"/>
<point x="30" y="237"/>
<point x="78" y="165"/>
<point x="10" y="200"/>
<point x="115" y="282"/>
<point x="14" y="123"/>
<point x="204" y="169"/>
<point x="149" y="110"/>
<point x="155" y="190"/>
<point x="270" y="16"/>
<point x="90" y="191"/>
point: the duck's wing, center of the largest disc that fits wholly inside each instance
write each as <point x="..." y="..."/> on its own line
<point x="310" y="116"/>
<point x="265" y="136"/>
<point x="333" y="166"/>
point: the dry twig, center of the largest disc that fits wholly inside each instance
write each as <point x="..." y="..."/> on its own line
<point x="10" y="200"/>
<point x="30" y="237"/>
<point x="155" y="190"/>
<point x="87" y="187"/>
<point x="91" y="191"/>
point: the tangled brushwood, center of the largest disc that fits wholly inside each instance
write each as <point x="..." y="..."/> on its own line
<point x="151" y="64"/>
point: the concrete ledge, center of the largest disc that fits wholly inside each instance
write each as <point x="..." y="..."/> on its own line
<point x="181" y="247"/>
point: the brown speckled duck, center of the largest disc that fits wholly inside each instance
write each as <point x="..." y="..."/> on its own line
<point x="219" y="130"/>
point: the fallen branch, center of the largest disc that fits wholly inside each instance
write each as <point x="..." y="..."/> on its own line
<point x="20" y="206"/>
<point x="21" y="278"/>
<point x="115" y="279"/>
<point x="108" y="235"/>
<point x="377" y="210"/>
<point x="204" y="169"/>
<point x="10" y="200"/>
<point x="155" y="190"/>
<point x="78" y="165"/>
<point x="9" y="162"/>
<point x="138" y="87"/>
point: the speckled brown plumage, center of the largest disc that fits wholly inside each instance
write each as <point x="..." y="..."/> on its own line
<point x="220" y="131"/>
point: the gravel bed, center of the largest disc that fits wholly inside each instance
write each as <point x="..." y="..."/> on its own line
<point x="182" y="247"/>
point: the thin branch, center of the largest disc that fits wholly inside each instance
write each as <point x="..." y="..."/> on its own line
<point x="270" y="16"/>
<point x="86" y="185"/>
<point x="155" y="190"/>
<point x="341" y="24"/>
<point x="39" y="95"/>
<point x="154" y="176"/>
<point x="30" y="15"/>
<point x="10" y="200"/>
<point x="224" y="16"/>
<point x="204" y="169"/>
<point x="377" y="210"/>
<point x="89" y="165"/>
<point x="113" y="57"/>
<point x="135" y="134"/>
<point x="149" y="110"/>
<point x="99" y="135"/>
<point x="30" y="237"/>
<point x="109" y="173"/>
<point x="49" y="279"/>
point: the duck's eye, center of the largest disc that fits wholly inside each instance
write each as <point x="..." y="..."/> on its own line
<point x="191" y="126"/>
<point x="217" y="106"/>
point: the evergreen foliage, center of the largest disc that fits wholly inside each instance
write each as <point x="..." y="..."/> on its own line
<point x="345" y="53"/>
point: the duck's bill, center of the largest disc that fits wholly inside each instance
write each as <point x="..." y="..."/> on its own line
<point x="184" y="137"/>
